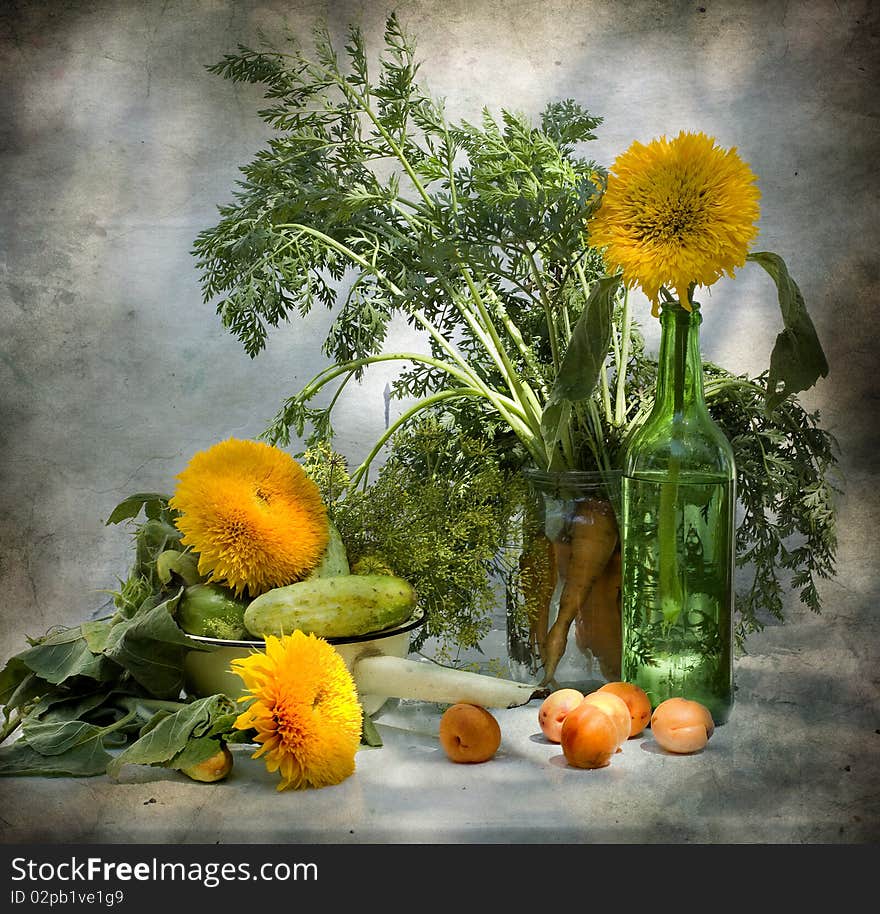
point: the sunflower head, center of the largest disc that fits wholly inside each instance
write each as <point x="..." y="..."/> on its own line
<point x="675" y="213"/>
<point x="252" y="514"/>
<point x="304" y="707"/>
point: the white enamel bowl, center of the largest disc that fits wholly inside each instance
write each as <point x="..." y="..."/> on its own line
<point x="208" y="672"/>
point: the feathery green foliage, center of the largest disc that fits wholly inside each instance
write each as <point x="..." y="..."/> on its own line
<point x="436" y="514"/>
<point x="369" y="201"/>
<point x="474" y="233"/>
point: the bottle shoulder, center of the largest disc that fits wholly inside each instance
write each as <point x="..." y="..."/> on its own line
<point x="693" y="441"/>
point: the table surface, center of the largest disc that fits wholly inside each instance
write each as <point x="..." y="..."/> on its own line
<point x="796" y="763"/>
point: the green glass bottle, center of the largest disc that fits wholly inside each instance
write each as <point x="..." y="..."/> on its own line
<point x="677" y="534"/>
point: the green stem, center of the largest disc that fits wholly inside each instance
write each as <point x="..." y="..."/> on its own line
<point x="521" y="391"/>
<point x="349" y="90"/>
<point x="508" y="409"/>
<point x="552" y="330"/>
<point x="392" y="287"/>
<point x="134" y="704"/>
<point x="363" y="469"/>
<point x="524" y="350"/>
<point x="597" y="438"/>
<point x="625" y="332"/>
<point x="467" y="377"/>
<point x="606" y="394"/>
<point x="669" y="583"/>
<point x="11" y="725"/>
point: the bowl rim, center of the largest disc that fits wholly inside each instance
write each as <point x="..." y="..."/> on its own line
<point x="417" y="619"/>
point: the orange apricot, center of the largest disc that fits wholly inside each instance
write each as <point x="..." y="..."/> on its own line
<point x="589" y="737"/>
<point x="469" y="733"/>
<point x="681" y="725"/>
<point x="616" y="708"/>
<point x="554" y="709"/>
<point x="636" y="700"/>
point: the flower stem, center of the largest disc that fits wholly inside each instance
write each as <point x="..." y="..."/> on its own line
<point x="671" y="597"/>
<point x="620" y="393"/>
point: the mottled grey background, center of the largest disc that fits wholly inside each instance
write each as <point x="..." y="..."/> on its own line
<point x="116" y="146"/>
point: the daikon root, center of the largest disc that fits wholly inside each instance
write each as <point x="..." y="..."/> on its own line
<point x="424" y="680"/>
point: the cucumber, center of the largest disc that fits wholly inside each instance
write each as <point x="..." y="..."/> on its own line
<point x="335" y="559"/>
<point x="211" y="611"/>
<point x="332" y="607"/>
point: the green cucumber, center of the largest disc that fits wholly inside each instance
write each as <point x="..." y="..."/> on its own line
<point x="335" y="559"/>
<point x="332" y="607"/>
<point x="211" y="611"/>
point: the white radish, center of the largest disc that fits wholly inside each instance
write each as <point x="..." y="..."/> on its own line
<point x="424" y="680"/>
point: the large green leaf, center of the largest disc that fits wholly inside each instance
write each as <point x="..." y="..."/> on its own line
<point x="60" y="705"/>
<point x="64" y="656"/>
<point x="60" y="747"/>
<point x="18" y="684"/>
<point x="583" y="359"/>
<point x="797" y="360"/>
<point x="152" y="648"/>
<point x="178" y="739"/>
<point x="84" y="759"/>
<point x="57" y="737"/>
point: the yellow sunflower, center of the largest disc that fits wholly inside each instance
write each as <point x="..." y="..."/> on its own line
<point x="676" y="212"/>
<point x="305" y="710"/>
<point x="254" y="517"/>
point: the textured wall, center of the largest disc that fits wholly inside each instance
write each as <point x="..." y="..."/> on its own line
<point x="117" y="145"/>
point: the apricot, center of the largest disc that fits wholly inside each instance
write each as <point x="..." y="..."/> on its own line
<point x="616" y="708"/>
<point x="554" y="709"/>
<point x="469" y="733"/>
<point x="681" y="725"/>
<point x="211" y="769"/>
<point x="636" y="700"/>
<point x="589" y="737"/>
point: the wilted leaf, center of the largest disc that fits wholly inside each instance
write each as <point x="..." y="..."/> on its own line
<point x="797" y="360"/>
<point x="173" y="733"/>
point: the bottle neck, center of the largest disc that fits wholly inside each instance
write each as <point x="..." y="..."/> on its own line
<point x="680" y="365"/>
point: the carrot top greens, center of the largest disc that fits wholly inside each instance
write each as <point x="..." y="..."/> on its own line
<point x="368" y="200"/>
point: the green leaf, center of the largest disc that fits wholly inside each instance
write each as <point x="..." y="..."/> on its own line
<point x="583" y="360"/>
<point x="152" y="648"/>
<point x="96" y="633"/>
<point x="797" y="360"/>
<point x="62" y="657"/>
<point x="164" y="743"/>
<point x="50" y="748"/>
<point x="86" y="759"/>
<point x="61" y="705"/>
<point x="589" y="344"/>
<point x="370" y="735"/>
<point x="17" y="684"/>
<point x="58" y="737"/>
<point x="152" y="503"/>
<point x="197" y="750"/>
<point x="554" y="419"/>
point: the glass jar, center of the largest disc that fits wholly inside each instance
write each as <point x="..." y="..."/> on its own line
<point x="678" y="497"/>
<point x="563" y="595"/>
